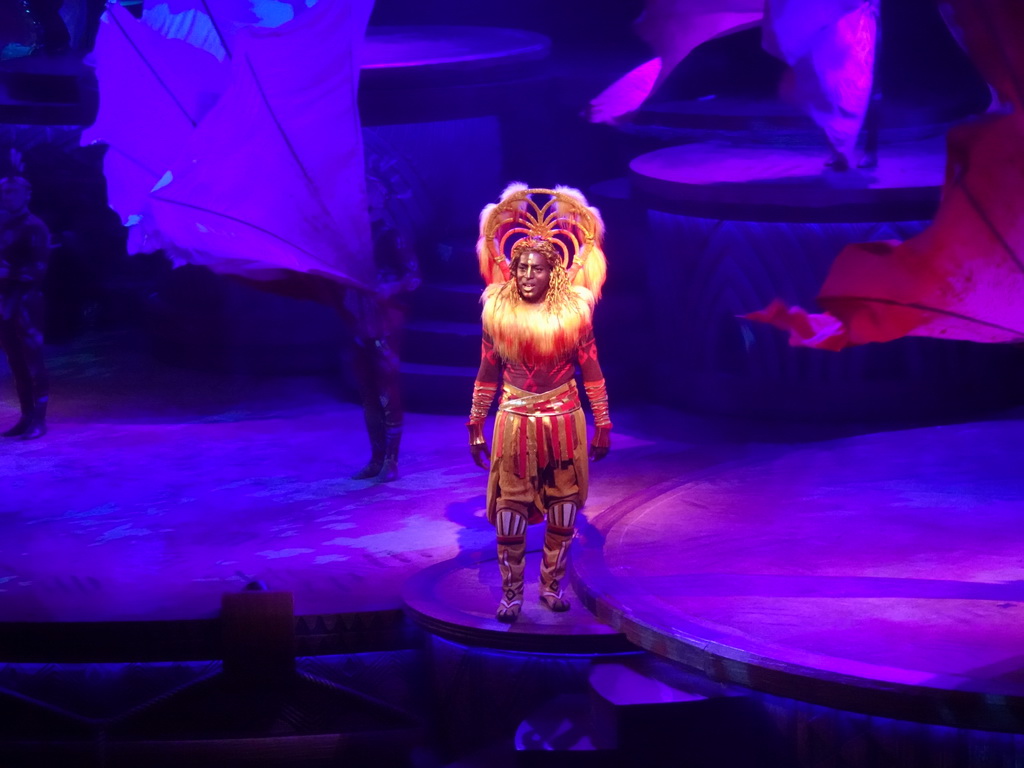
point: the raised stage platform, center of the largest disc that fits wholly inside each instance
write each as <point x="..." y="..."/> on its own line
<point x="731" y="228"/>
<point x="443" y="73"/>
<point x="791" y="183"/>
<point x="879" y="573"/>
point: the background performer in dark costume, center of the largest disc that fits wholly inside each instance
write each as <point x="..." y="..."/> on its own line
<point x="377" y="319"/>
<point x="24" y="252"/>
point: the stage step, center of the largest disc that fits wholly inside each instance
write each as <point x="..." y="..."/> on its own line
<point x="359" y="709"/>
<point x="437" y="388"/>
<point x="561" y="733"/>
<point x="454" y="260"/>
<point x="666" y="715"/>
<point x="632" y="695"/>
<point x="499" y="755"/>
<point x="47" y="90"/>
<point x="441" y="345"/>
<point x="448" y="301"/>
<point x="442" y="342"/>
<point x="765" y="120"/>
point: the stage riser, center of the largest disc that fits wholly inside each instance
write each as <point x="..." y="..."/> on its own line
<point x="773" y="732"/>
<point x="821" y="737"/>
<point x="192" y="640"/>
<point x="482" y="695"/>
<point x="138" y="714"/>
<point x="40" y="99"/>
<point x="441" y="193"/>
<point x="437" y="388"/>
<point x="447" y="301"/>
<point x="423" y="73"/>
<point x="703" y="273"/>
<point x="388" y="750"/>
<point x="442" y="343"/>
<point x="744" y="729"/>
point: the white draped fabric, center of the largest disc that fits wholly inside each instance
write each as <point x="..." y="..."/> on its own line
<point x="267" y="181"/>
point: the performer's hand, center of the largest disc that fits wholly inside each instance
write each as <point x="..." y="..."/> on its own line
<point x="601" y="444"/>
<point x="481" y="455"/>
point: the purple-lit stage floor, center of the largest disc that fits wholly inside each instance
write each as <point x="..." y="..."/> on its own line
<point x="878" y="571"/>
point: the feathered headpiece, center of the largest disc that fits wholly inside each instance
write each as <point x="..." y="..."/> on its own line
<point x="559" y="224"/>
<point x="559" y="216"/>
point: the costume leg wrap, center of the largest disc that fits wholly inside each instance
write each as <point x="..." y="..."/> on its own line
<point x="511" y="527"/>
<point x="373" y="414"/>
<point x="377" y="369"/>
<point x="22" y="340"/>
<point x="388" y="369"/>
<point x="557" y="538"/>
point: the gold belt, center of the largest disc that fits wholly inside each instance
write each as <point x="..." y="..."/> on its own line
<point x="561" y="400"/>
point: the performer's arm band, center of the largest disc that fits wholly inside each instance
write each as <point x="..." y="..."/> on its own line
<point x="483" y="396"/>
<point x="597" y="394"/>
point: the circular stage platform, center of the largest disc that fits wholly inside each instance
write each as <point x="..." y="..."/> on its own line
<point x="778" y="183"/>
<point x="442" y="73"/>
<point x="753" y="120"/>
<point x="456" y="600"/>
<point x="881" y="574"/>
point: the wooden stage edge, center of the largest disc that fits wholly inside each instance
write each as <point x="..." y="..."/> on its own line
<point x="754" y="667"/>
<point x="99" y="642"/>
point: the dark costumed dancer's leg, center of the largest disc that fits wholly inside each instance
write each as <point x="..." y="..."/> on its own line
<point x="21" y="336"/>
<point x="377" y="370"/>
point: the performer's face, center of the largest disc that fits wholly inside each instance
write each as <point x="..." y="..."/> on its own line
<point x="533" y="276"/>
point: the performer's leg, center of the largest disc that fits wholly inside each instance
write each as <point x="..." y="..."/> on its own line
<point x="9" y="342"/>
<point x="388" y="372"/>
<point x="30" y="331"/>
<point x="511" y="528"/>
<point x="373" y="410"/>
<point x="557" y="538"/>
<point x="378" y="370"/>
<point x="21" y="336"/>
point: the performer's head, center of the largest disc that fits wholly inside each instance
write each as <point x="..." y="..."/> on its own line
<point x="537" y="269"/>
<point x="15" y="192"/>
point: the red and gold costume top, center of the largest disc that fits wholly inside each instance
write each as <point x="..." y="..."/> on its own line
<point x="536" y="346"/>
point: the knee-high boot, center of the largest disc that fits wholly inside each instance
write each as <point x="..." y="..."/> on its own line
<point x="389" y="467"/>
<point x="27" y="403"/>
<point x="511" y="528"/>
<point x="557" y="538"/>
<point x="28" y="369"/>
<point x="375" y="431"/>
<point x="378" y="368"/>
<point x="388" y="376"/>
<point x="511" y="563"/>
